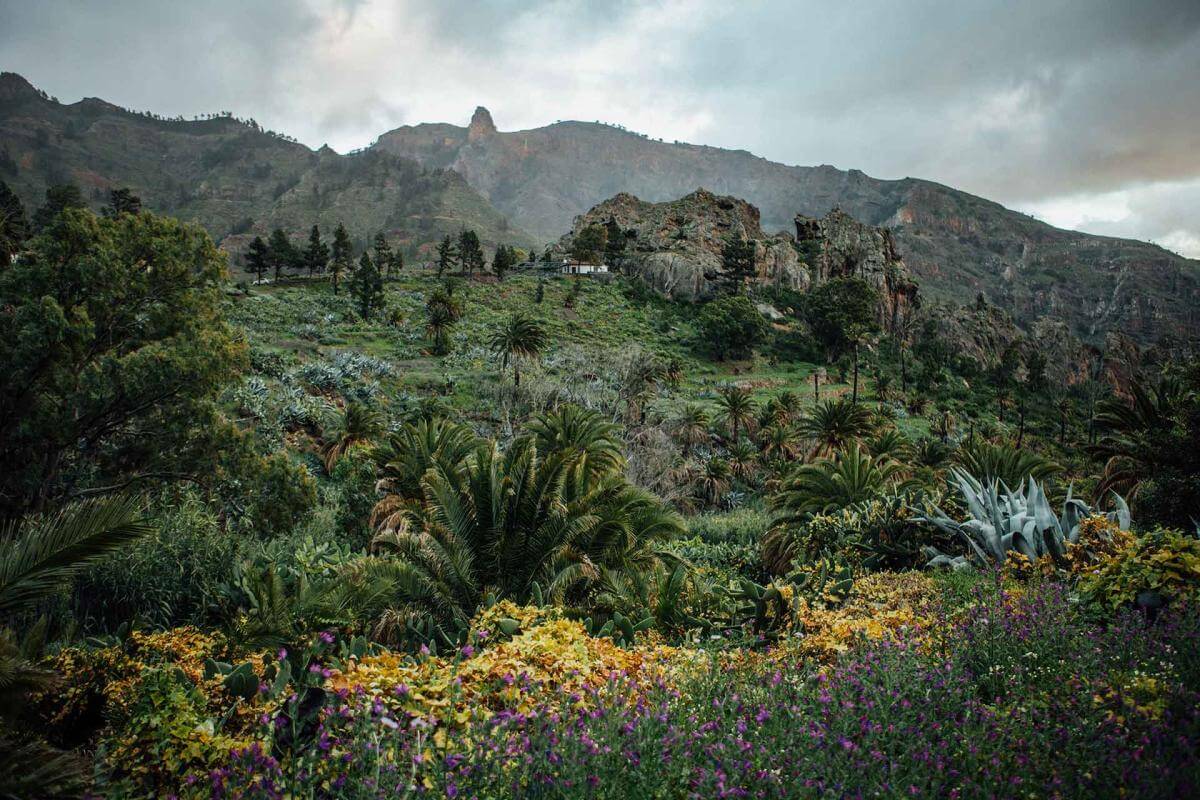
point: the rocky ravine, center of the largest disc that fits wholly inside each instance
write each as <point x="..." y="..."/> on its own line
<point x="956" y="244"/>
<point x="674" y="245"/>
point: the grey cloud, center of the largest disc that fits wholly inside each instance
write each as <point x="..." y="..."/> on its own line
<point x="1017" y="100"/>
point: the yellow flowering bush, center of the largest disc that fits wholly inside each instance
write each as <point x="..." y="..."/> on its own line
<point x="550" y="655"/>
<point x="105" y="682"/>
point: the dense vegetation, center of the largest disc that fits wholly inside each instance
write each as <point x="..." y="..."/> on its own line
<point x="367" y="530"/>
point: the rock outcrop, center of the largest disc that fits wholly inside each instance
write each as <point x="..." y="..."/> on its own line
<point x="676" y="246"/>
<point x="481" y="125"/>
<point x="838" y="246"/>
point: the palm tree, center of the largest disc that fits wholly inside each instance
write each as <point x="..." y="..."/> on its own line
<point x="519" y="337"/>
<point x="742" y="457"/>
<point x="851" y="476"/>
<point x="359" y="425"/>
<point x="779" y="441"/>
<point x="583" y="433"/>
<point x="1000" y="462"/>
<point x="690" y="426"/>
<point x="1128" y="431"/>
<point x="781" y="409"/>
<point x="439" y="319"/>
<point x="403" y="460"/>
<point x="507" y="520"/>
<point x="833" y="424"/>
<point x="736" y="406"/>
<point x="890" y="443"/>
<point x="37" y="557"/>
<point x="714" y="480"/>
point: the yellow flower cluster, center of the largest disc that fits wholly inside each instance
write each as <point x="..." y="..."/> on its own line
<point x="553" y="655"/>
<point x="881" y="605"/>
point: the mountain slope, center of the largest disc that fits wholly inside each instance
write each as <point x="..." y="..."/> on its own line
<point x="230" y="176"/>
<point x="955" y="243"/>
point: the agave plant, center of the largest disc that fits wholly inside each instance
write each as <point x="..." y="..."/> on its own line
<point x="1002" y="520"/>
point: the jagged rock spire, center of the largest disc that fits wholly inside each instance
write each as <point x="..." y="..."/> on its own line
<point x="481" y="124"/>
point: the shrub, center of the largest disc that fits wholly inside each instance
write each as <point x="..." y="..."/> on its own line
<point x="1161" y="566"/>
<point x="172" y="578"/>
<point x="731" y="327"/>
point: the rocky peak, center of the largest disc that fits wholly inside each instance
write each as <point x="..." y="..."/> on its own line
<point x="481" y="125"/>
<point x="14" y="87"/>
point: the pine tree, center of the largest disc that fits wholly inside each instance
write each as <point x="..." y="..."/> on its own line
<point x="397" y="264"/>
<point x="383" y="254"/>
<point x="541" y="291"/>
<point x="341" y="254"/>
<point x="737" y="266"/>
<point x="58" y="198"/>
<point x="122" y="201"/>
<point x="470" y="252"/>
<point x="446" y="254"/>
<point x="316" y="255"/>
<point x="366" y="285"/>
<point x="283" y="254"/>
<point x="258" y="258"/>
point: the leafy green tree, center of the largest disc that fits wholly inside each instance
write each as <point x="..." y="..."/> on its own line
<point x="59" y="197"/>
<point x="1011" y="466"/>
<point x="447" y="252"/>
<point x="690" y="427"/>
<point x="258" y="258"/>
<point x="594" y="443"/>
<point x="341" y="255"/>
<point x="504" y="260"/>
<point x="843" y="315"/>
<point x="588" y="245"/>
<point x="470" y="253"/>
<point x="830" y="484"/>
<point x="112" y="371"/>
<point x="402" y="461"/>
<point x="737" y="266"/>
<point x="614" y="241"/>
<point x="366" y="285"/>
<point x="519" y="337"/>
<point x="731" y="327"/>
<point x="14" y="227"/>
<point x="282" y="253"/>
<point x="316" y="254"/>
<point x="123" y="201"/>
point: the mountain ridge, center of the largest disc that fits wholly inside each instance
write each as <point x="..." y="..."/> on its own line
<point x="420" y="182"/>
<point x="957" y="244"/>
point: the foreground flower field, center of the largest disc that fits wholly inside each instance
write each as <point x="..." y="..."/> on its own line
<point x="914" y="687"/>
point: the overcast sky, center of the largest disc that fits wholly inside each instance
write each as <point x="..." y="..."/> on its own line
<point x="1083" y="112"/>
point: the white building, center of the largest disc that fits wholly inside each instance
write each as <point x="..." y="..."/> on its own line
<point x="580" y="268"/>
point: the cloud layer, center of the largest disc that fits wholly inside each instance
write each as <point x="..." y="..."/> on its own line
<point x="1081" y="111"/>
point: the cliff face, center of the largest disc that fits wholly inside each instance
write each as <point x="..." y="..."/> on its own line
<point x="675" y="245"/>
<point x="838" y="246"/>
<point x="957" y="245"/>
